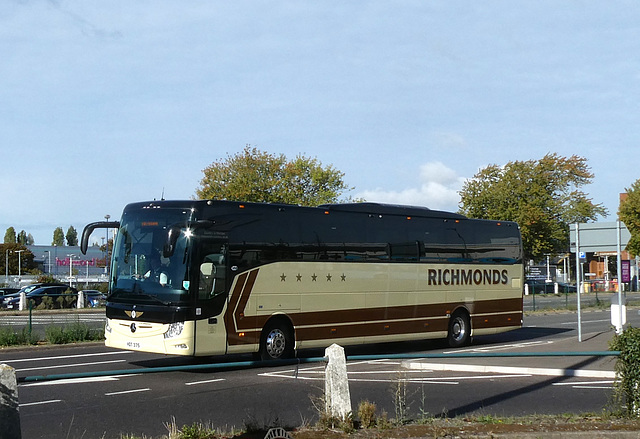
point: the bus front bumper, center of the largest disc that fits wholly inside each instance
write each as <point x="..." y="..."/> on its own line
<point x="161" y="338"/>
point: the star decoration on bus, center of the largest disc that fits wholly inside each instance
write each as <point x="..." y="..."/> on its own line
<point x="314" y="277"/>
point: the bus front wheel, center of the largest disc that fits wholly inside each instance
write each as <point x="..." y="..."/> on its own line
<point x="459" y="329"/>
<point x="276" y="341"/>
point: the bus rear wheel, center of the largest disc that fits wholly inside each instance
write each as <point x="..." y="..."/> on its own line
<point x="459" y="329"/>
<point x="276" y="341"/>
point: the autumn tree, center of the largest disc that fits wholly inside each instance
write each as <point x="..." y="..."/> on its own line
<point x="254" y="175"/>
<point x="542" y="196"/>
<point x="629" y="214"/>
<point x="72" y="236"/>
<point x="58" y="237"/>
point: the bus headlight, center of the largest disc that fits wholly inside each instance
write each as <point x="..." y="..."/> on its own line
<point x="107" y="327"/>
<point x="175" y="329"/>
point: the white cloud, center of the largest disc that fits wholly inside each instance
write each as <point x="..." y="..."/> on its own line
<point x="437" y="188"/>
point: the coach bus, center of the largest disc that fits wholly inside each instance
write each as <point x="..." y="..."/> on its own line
<point x="208" y="277"/>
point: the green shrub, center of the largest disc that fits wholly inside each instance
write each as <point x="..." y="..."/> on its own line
<point x="46" y="303"/>
<point x="73" y="333"/>
<point x="9" y="337"/>
<point x="627" y="386"/>
<point x="197" y="431"/>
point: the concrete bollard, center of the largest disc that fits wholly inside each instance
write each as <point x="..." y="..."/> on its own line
<point x="9" y="413"/>
<point x="22" y="304"/>
<point x="80" y="302"/>
<point x="336" y="384"/>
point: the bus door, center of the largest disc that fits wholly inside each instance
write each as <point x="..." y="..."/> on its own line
<point x="211" y="271"/>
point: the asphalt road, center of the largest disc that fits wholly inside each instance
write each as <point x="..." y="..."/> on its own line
<point x="142" y="403"/>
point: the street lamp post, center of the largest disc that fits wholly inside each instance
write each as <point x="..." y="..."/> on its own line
<point x="106" y="258"/>
<point x="48" y="255"/>
<point x="19" y="268"/>
<point x="70" y="269"/>
<point x="6" y="266"/>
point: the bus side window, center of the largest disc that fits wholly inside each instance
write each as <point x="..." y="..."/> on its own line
<point x="206" y="280"/>
<point x="212" y="276"/>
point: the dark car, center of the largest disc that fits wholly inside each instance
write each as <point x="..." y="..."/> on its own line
<point x="544" y="287"/>
<point x="29" y="288"/>
<point x="36" y="296"/>
<point x="7" y="291"/>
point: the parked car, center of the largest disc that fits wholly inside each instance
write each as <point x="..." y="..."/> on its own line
<point x="94" y="298"/>
<point x="7" y="291"/>
<point x="544" y="287"/>
<point x="37" y="295"/>
<point x="566" y="288"/>
<point x="29" y="288"/>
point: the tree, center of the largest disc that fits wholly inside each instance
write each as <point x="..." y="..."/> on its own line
<point x="254" y="175"/>
<point x="542" y="196"/>
<point x="72" y="236"/>
<point x="22" y="237"/>
<point x="58" y="237"/>
<point x="9" y="254"/>
<point x="629" y="214"/>
<point x="10" y="236"/>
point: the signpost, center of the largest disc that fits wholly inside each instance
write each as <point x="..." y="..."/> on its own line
<point x="600" y="237"/>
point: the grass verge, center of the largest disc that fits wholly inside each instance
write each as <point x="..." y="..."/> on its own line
<point x="75" y="332"/>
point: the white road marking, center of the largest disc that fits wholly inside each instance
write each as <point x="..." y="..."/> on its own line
<point x="585" y="321"/>
<point x="70" y="365"/>
<point x="65" y="357"/>
<point x="501" y="347"/>
<point x="193" y="383"/>
<point x="585" y="373"/>
<point x="72" y="381"/>
<point x="127" y="391"/>
<point x="574" y="383"/>
<point x="39" y="402"/>
<point x="593" y="387"/>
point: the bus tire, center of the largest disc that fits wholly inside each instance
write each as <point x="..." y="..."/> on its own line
<point x="276" y="341"/>
<point x="459" y="329"/>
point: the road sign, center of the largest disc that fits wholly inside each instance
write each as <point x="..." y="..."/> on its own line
<point x="599" y="237"/>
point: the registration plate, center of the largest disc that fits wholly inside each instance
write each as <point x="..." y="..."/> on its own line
<point x="134" y="344"/>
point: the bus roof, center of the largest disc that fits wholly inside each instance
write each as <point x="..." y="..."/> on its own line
<point x="390" y="209"/>
<point x="366" y="208"/>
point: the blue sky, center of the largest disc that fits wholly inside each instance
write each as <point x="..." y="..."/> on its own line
<point x="105" y="103"/>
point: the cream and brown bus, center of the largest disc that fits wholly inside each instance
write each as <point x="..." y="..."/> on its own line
<point x="208" y="277"/>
